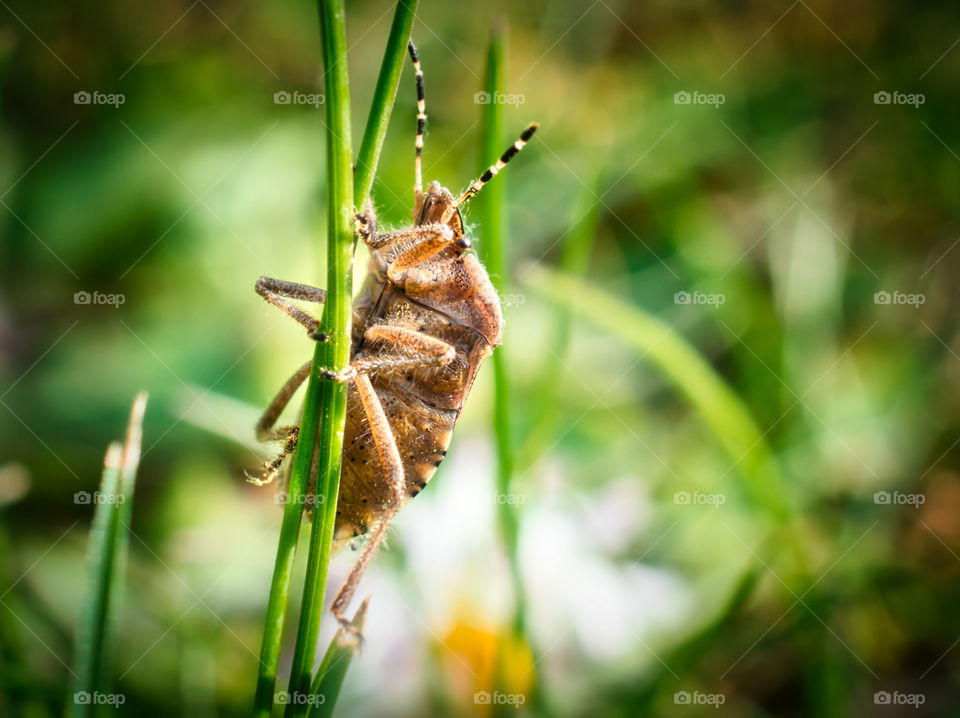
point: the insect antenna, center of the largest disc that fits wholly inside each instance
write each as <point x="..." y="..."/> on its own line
<point x="492" y="170"/>
<point x="421" y="121"/>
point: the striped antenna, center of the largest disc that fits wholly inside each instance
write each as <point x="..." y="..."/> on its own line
<point x="421" y="121"/>
<point x="492" y="170"/>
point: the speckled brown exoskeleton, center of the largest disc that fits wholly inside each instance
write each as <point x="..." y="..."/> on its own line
<point x="424" y="321"/>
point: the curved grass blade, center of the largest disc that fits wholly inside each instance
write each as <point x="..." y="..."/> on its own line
<point x="106" y="564"/>
<point x="333" y="668"/>
<point x="383" y="98"/>
<point x="574" y="259"/>
<point x="717" y="405"/>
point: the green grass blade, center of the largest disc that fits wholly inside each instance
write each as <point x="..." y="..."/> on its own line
<point x="92" y="623"/>
<point x="717" y="405"/>
<point x="574" y="258"/>
<point x="383" y="98"/>
<point x="333" y="668"/>
<point x="317" y="406"/>
<point x="106" y="564"/>
<point x="491" y="216"/>
<point x="334" y="353"/>
<point x="492" y="245"/>
<point x="286" y="549"/>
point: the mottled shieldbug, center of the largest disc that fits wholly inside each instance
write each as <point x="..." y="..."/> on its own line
<point x="423" y="323"/>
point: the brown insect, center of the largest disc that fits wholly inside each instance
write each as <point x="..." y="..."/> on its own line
<point x="423" y="323"/>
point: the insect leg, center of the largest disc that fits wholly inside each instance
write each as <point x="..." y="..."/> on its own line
<point x="392" y="466"/>
<point x="403" y="236"/>
<point x="274" y="289"/>
<point x="288" y="434"/>
<point x="421" y="123"/>
<point x="264" y="428"/>
<point x="422" y="350"/>
<point x="435" y="238"/>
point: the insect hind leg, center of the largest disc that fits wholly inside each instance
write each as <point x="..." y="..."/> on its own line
<point x="389" y="455"/>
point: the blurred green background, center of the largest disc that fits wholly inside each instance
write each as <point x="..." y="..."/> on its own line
<point x="791" y="227"/>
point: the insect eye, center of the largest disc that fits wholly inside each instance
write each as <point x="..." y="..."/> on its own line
<point x="463" y="243"/>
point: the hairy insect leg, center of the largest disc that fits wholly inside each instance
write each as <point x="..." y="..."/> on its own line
<point x="264" y="428"/>
<point x="424" y="242"/>
<point x="392" y="466"/>
<point x="288" y="434"/>
<point x="274" y="291"/>
<point x="436" y="239"/>
<point x="414" y="235"/>
<point x="423" y="350"/>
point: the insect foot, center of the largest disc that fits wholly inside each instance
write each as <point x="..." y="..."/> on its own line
<point x="269" y="475"/>
<point x="340" y="376"/>
<point x="350" y="634"/>
<point x="272" y="468"/>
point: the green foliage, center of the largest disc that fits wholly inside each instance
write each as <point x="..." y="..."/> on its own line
<point x="801" y="595"/>
<point x="106" y="567"/>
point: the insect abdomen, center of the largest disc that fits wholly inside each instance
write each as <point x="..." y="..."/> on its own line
<point x="422" y="405"/>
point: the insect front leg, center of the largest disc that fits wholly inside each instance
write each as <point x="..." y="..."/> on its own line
<point x="288" y="434"/>
<point x="273" y="290"/>
<point x="437" y="233"/>
<point x="422" y="350"/>
<point x="389" y="456"/>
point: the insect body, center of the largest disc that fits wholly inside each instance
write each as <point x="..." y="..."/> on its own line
<point x="423" y="323"/>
